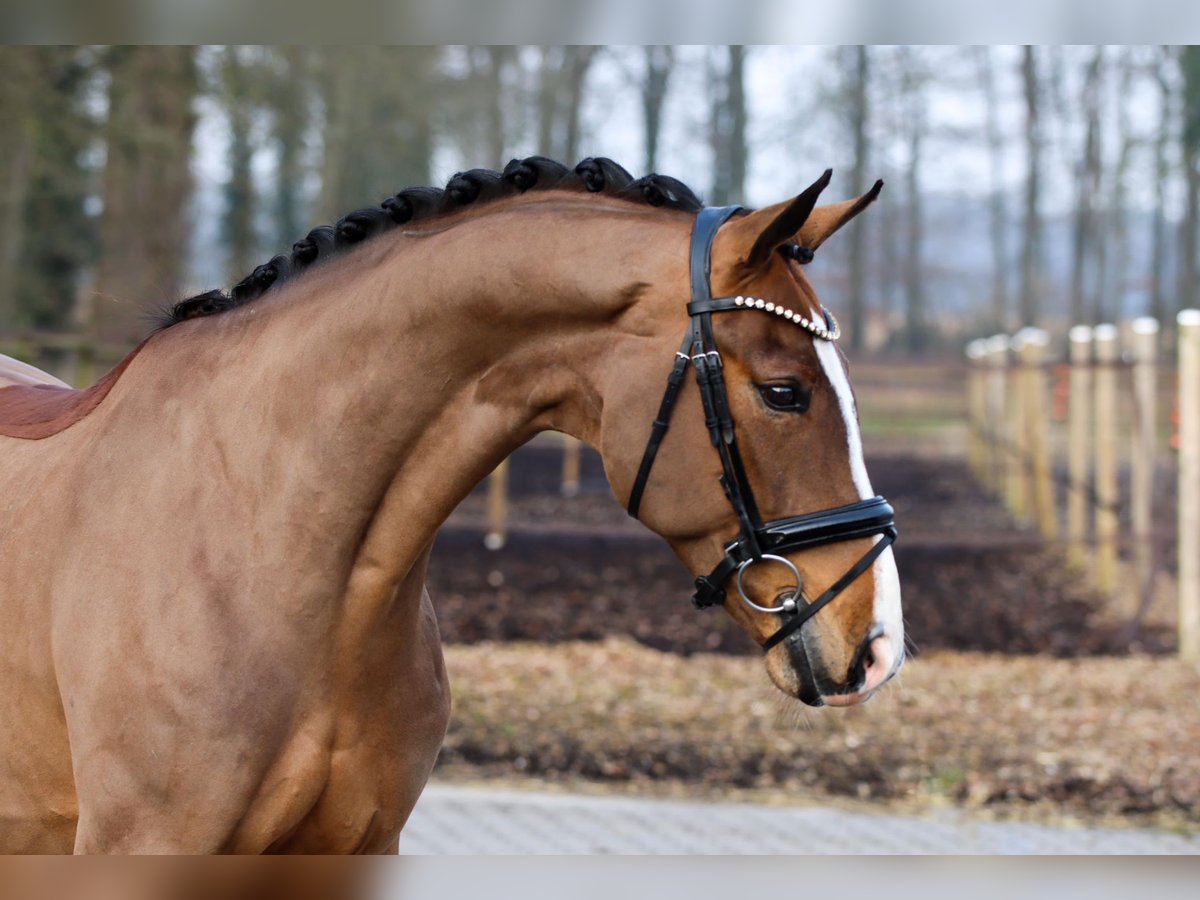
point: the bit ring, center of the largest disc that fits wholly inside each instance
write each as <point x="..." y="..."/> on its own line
<point x="789" y="604"/>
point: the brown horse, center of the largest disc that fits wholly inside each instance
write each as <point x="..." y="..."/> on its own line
<point x="214" y="631"/>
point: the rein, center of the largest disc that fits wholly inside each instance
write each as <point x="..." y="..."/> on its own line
<point x="757" y="541"/>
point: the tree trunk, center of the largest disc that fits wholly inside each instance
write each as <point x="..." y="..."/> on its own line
<point x="1157" y="305"/>
<point x="1085" y="299"/>
<point x="549" y="89"/>
<point x="1189" y="278"/>
<point x="378" y="133"/>
<point x="997" y="208"/>
<point x="727" y="124"/>
<point x="858" y="75"/>
<point x="147" y="185"/>
<point x="289" y="93"/>
<point x="576" y="65"/>
<point x="915" y="327"/>
<point x="17" y="90"/>
<point x="1114" y="245"/>
<point x="237" y="232"/>
<point x="1031" y="245"/>
<point x="659" y="62"/>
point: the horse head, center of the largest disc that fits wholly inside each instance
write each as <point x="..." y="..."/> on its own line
<point x="759" y="482"/>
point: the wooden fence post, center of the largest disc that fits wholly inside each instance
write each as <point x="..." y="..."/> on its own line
<point x="570" y="467"/>
<point x="1015" y="491"/>
<point x="1142" y="458"/>
<point x="1031" y="349"/>
<point x="1189" y="484"/>
<point x="997" y="348"/>
<point x="497" y="508"/>
<point x="1079" y="444"/>
<point x="1107" y="521"/>
<point x="977" y="451"/>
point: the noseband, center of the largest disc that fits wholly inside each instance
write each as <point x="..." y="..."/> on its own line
<point x="756" y="542"/>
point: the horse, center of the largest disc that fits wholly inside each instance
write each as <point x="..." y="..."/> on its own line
<point x="214" y="630"/>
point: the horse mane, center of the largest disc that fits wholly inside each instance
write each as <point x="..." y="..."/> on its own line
<point x="593" y="175"/>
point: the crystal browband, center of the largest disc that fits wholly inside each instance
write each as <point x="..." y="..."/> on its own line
<point x="827" y="331"/>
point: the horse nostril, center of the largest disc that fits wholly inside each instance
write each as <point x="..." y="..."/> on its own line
<point x="875" y="662"/>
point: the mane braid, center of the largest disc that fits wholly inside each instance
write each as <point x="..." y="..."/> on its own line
<point x="593" y="175"/>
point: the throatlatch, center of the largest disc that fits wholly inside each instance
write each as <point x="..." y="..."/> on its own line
<point x="756" y="541"/>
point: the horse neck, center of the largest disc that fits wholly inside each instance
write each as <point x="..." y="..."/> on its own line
<point x="390" y="382"/>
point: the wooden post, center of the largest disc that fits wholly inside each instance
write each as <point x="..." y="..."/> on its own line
<point x="1040" y="486"/>
<point x="1079" y="445"/>
<point x="1105" y="407"/>
<point x="1189" y="484"/>
<point x="497" y="508"/>
<point x="1142" y="457"/>
<point x="997" y="350"/>
<point x="570" y="468"/>
<point x="1018" y="435"/>
<point x="976" y="411"/>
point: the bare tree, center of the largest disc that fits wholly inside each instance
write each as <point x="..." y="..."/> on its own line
<point x="1085" y="303"/>
<point x="237" y="79"/>
<point x="576" y="65"/>
<point x="18" y="88"/>
<point x="1189" y="277"/>
<point x="1031" y="238"/>
<point x="916" y="126"/>
<point x="1114" y="250"/>
<point x="727" y="123"/>
<point x="997" y="207"/>
<point x="660" y="60"/>
<point x="147" y="185"/>
<point x="378" y="129"/>
<point x="1157" y="305"/>
<point x="287" y="97"/>
<point x="856" y="75"/>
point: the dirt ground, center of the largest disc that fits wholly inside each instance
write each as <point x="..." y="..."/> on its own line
<point x="575" y="654"/>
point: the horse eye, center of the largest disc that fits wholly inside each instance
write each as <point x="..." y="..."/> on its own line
<point x="784" y="397"/>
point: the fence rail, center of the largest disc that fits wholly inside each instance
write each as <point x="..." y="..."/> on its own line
<point x="1107" y="395"/>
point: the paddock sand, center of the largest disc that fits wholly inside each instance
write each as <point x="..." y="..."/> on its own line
<point x="1101" y="740"/>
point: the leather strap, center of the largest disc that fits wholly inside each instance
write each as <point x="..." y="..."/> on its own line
<point x="708" y="222"/>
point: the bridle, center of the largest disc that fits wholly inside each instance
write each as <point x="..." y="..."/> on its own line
<point x="757" y="541"/>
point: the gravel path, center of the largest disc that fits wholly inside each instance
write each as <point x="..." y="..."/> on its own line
<point x="474" y="820"/>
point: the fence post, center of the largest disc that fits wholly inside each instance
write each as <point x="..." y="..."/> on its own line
<point x="1014" y="435"/>
<point x="977" y="410"/>
<point x="1144" y="334"/>
<point x="497" y="508"/>
<point x="570" y="467"/>
<point x="1031" y="349"/>
<point x="1107" y="521"/>
<point x="1079" y="430"/>
<point x="1189" y="484"/>
<point x="997" y="347"/>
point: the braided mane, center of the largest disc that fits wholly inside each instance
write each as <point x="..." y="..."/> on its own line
<point x="594" y="175"/>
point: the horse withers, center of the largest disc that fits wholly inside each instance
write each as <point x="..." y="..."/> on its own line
<point x="214" y="630"/>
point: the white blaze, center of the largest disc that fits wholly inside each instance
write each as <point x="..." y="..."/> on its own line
<point x="887" y="580"/>
<point x="831" y="362"/>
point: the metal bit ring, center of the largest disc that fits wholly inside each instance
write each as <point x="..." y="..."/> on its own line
<point x="789" y="604"/>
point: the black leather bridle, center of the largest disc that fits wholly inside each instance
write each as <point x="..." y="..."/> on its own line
<point x="756" y="540"/>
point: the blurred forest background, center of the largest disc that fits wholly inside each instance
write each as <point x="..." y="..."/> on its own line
<point x="1026" y="185"/>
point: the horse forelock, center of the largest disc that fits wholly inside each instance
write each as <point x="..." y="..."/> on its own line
<point x="596" y="175"/>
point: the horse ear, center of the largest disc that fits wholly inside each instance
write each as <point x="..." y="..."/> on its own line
<point x="765" y="229"/>
<point x="825" y="220"/>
